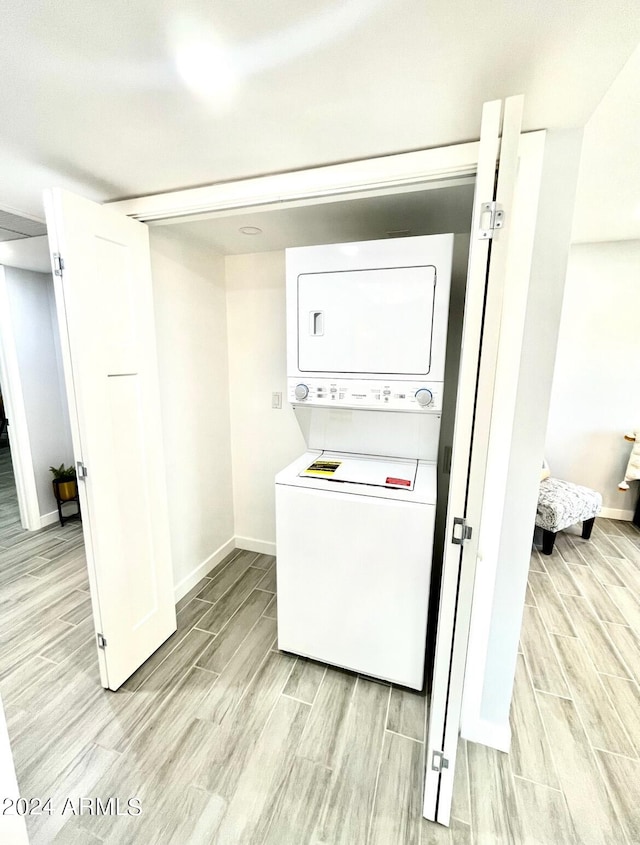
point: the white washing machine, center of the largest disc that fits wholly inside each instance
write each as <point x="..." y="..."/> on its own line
<point x="354" y="539"/>
<point x="366" y="339"/>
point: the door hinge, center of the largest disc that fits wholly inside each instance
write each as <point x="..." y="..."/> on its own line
<point x="438" y="761"/>
<point x="491" y="218"/>
<point x="58" y="264"/>
<point x="461" y="531"/>
<point x="102" y="640"/>
<point x="81" y="470"/>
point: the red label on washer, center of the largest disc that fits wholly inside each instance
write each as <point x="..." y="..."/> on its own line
<point x="401" y="481"/>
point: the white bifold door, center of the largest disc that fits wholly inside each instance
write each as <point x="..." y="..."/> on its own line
<point x="104" y="302"/>
<point x="485" y="321"/>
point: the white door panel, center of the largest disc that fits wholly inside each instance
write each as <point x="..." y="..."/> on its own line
<point x="105" y="310"/>
<point x="481" y="331"/>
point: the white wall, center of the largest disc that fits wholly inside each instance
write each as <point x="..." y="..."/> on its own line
<point x="191" y="329"/>
<point x="37" y="347"/>
<point x="263" y="440"/>
<point x="596" y="383"/>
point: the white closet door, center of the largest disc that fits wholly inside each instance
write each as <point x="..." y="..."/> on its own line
<point x="105" y="311"/>
<point x="482" y="317"/>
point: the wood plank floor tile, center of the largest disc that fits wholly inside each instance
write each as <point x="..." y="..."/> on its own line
<point x="628" y="604"/>
<point x="436" y="834"/>
<point x="304" y="680"/>
<point x="271" y="611"/>
<point x="628" y="550"/>
<point x="560" y="574"/>
<point x="596" y="594"/>
<point x="222" y="580"/>
<point x="15" y="650"/>
<point x="238" y="673"/>
<point x="629" y="573"/>
<point x="461" y="802"/>
<point x="80" y="612"/>
<point x="556" y="618"/>
<point x="623" y="779"/>
<point x="268" y="583"/>
<point x="625" y="696"/>
<point x="535" y="563"/>
<point x="599" y="718"/>
<point x="594" y="636"/>
<point x="221" y="767"/>
<point x="348" y="810"/>
<point x="264" y="561"/>
<point x="160" y="741"/>
<point x="494" y="811"/>
<point x="528" y="597"/>
<point x="221" y="612"/>
<point x="628" y="644"/>
<point x="568" y="548"/>
<point x="220" y="651"/>
<point x="193" y="592"/>
<point x="605" y="570"/>
<point x="62" y="646"/>
<point x="323" y="738"/>
<point x="461" y="832"/>
<point x="592" y="812"/>
<point x="530" y="753"/>
<point x="297" y="804"/>
<point x="407" y="713"/>
<point x="544" y="814"/>
<point x="134" y="713"/>
<point x="248" y="815"/>
<point x="78" y="779"/>
<point x="604" y="545"/>
<point x="541" y="659"/>
<point x="398" y="799"/>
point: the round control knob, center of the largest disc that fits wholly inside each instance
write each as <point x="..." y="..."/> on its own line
<point x="301" y="391"/>
<point x="424" y="397"/>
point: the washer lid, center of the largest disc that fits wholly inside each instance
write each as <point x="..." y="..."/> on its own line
<point x="343" y="467"/>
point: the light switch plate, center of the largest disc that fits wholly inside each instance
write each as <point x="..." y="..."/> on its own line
<point x="276" y="400"/>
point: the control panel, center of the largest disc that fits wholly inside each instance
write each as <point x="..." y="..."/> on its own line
<point x="367" y="393"/>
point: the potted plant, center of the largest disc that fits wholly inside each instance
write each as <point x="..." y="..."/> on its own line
<point x="65" y="487"/>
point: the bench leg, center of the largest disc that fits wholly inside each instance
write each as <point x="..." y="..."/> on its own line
<point x="587" y="527"/>
<point x="548" y="539"/>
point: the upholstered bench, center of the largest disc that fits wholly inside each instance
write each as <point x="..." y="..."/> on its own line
<point x="561" y="504"/>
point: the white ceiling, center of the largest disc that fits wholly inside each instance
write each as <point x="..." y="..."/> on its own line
<point x="96" y="102"/>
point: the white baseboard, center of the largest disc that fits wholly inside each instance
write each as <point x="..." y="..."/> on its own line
<point x="616" y="513"/>
<point x="488" y="733"/>
<point x="264" y="547"/>
<point x="185" y="584"/>
<point x="48" y="519"/>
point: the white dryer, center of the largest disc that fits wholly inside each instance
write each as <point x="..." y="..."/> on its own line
<point x="366" y="340"/>
<point x="354" y="539"/>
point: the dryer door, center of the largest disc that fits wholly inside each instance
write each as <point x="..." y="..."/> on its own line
<point x="366" y="321"/>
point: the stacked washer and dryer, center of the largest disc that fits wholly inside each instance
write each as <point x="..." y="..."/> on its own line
<point x="355" y="514"/>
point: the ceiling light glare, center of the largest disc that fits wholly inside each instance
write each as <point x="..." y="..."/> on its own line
<point x="250" y="230"/>
<point x="206" y="68"/>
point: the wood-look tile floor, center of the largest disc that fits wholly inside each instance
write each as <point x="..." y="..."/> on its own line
<point x="223" y="740"/>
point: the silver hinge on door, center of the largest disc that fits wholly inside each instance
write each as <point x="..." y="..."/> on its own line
<point x="491" y="218"/>
<point x="81" y="471"/>
<point x="102" y="640"/>
<point x="461" y="531"/>
<point x="438" y="761"/>
<point x="58" y="264"/>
